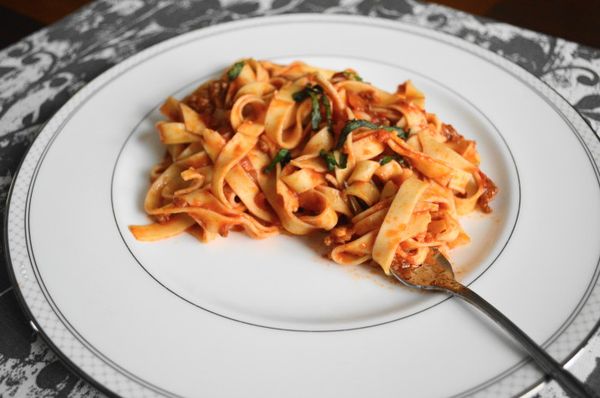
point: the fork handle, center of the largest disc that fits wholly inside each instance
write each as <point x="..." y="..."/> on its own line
<point x="570" y="384"/>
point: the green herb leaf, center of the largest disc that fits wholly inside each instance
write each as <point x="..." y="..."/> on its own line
<point x="301" y="95"/>
<point x="329" y="159"/>
<point x="332" y="162"/>
<point x="282" y="157"/>
<point x="350" y="75"/>
<point x="357" y="123"/>
<point x="385" y="160"/>
<point x="235" y="70"/>
<point x="398" y="130"/>
<point x="396" y="157"/>
<point x="327" y="105"/>
<point x="343" y="161"/>
<point x="315" y="93"/>
<point x="315" y="114"/>
<point x="350" y="126"/>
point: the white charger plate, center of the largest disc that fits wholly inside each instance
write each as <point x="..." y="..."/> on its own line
<point x="272" y="318"/>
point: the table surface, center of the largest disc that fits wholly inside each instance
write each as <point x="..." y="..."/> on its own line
<point x="41" y="72"/>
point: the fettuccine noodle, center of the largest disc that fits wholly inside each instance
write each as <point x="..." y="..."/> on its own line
<point x="270" y="148"/>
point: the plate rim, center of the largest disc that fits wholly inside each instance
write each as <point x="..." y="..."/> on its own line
<point x="87" y="91"/>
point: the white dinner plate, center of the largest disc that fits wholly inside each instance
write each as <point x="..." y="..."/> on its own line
<point x="272" y="318"/>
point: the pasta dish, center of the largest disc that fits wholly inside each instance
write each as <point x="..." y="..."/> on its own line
<point x="268" y="149"/>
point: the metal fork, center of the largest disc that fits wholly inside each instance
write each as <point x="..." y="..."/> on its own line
<point x="440" y="277"/>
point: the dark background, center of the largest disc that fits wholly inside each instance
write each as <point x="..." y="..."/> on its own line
<point x="576" y="20"/>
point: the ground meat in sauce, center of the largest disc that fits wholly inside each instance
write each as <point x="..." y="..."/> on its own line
<point x="162" y="218"/>
<point x="246" y="165"/>
<point x="401" y="89"/>
<point x="342" y="76"/>
<point x="338" y="77"/>
<point x="399" y="263"/>
<point x="382" y="135"/>
<point x="369" y="96"/>
<point x="380" y="119"/>
<point x="261" y="201"/>
<point x="179" y="202"/>
<point x="450" y="133"/>
<point x="490" y="190"/>
<point x="339" y="235"/>
<point x="208" y="99"/>
<point x="263" y="145"/>
<point x="356" y="102"/>
<point x="200" y="100"/>
<point x="249" y="169"/>
<point x="218" y="90"/>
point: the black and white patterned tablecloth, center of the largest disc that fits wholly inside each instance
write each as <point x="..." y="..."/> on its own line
<point x="40" y="73"/>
